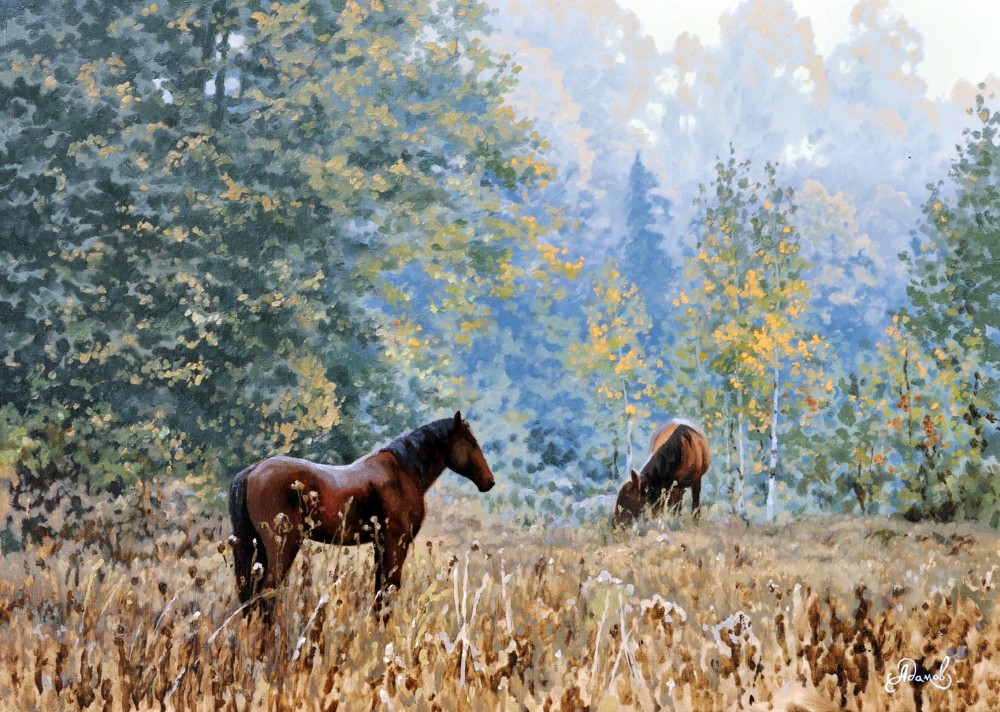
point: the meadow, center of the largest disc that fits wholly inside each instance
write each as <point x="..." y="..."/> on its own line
<point x="131" y="605"/>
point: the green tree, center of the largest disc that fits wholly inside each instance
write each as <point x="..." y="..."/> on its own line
<point x="941" y="477"/>
<point x="852" y="446"/>
<point x="955" y="274"/>
<point x="228" y="229"/>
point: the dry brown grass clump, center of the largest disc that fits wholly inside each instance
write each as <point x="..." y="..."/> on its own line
<point x="809" y="616"/>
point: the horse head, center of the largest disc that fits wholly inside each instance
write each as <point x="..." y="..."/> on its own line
<point x="630" y="502"/>
<point x="466" y="458"/>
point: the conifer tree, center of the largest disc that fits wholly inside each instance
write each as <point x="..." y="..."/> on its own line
<point x="644" y="259"/>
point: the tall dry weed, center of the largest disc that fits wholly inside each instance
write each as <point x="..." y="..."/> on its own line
<point x="810" y="616"/>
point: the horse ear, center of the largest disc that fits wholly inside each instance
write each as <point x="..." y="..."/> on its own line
<point x="458" y="418"/>
<point x="635" y="481"/>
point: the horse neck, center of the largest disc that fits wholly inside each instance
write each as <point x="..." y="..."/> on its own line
<point x="433" y="470"/>
<point x="422" y="453"/>
<point x="659" y="470"/>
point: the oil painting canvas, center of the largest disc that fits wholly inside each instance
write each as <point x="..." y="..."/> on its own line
<point x="499" y="355"/>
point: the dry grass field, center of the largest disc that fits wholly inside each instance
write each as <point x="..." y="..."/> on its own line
<point x="812" y="615"/>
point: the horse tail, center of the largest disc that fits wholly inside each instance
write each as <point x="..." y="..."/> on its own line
<point x="248" y="549"/>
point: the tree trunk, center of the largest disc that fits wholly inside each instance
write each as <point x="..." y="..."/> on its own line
<point x="741" y="459"/>
<point x="772" y="480"/>
<point x="730" y="446"/>
<point x="859" y="491"/>
<point x="219" y="114"/>
<point x="628" y="444"/>
<point x="628" y="424"/>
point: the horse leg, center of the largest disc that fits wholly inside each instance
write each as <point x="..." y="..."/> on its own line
<point x="658" y="505"/>
<point x="389" y="568"/>
<point x="378" y="549"/>
<point x="281" y="551"/>
<point x="399" y="547"/>
<point x="696" y="499"/>
<point x="676" y="495"/>
<point x="379" y="544"/>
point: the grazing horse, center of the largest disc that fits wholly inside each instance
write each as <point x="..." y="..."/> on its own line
<point x="679" y="458"/>
<point x="278" y="503"/>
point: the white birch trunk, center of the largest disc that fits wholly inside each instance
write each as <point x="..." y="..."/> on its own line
<point x="628" y="445"/>
<point x="628" y="428"/>
<point x="741" y="457"/>
<point x="730" y="444"/>
<point x="741" y="472"/>
<point x="772" y="483"/>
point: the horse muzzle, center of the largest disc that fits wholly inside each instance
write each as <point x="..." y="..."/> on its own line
<point x="486" y="486"/>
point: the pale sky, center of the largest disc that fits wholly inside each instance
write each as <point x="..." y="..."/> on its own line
<point x="961" y="37"/>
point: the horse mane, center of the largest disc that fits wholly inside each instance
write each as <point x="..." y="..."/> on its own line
<point x="415" y="449"/>
<point x="659" y="470"/>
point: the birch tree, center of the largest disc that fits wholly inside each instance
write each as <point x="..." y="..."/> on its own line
<point x="610" y="360"/>
<point x="747" y="310"/>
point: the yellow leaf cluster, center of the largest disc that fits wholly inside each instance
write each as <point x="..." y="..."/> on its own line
<point x="553" y="257"/>
<point x="627" y="363"/>
<point x="322" y="406"/>
<point x="234" y="192"/>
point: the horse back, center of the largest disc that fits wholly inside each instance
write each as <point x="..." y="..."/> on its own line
<point x="664" y="432"/>
<point x="695" y="455"/>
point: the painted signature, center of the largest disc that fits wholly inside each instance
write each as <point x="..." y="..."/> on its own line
<point x="908" y="673"/>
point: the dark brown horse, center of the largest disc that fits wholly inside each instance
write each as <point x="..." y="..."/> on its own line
<point x="278" y="503"/>
<point x="680" y="457"/>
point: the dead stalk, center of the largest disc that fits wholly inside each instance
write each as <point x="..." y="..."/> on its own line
<point x="302" y="636"/>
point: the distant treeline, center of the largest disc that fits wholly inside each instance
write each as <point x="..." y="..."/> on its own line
<point x="228" y="230"/>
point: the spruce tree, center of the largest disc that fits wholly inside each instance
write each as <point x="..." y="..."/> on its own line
<point x="644" y="259"/>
